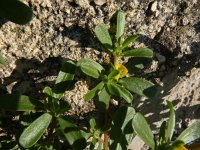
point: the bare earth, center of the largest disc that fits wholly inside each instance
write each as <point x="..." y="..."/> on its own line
<point x="61" y="30"/>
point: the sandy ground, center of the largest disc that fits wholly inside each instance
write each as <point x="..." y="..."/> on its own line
<point x="61" y="29"/>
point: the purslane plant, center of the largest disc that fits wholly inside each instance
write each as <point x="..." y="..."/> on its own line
<point x="114" y="84"/>
<point x="165" y="142"/>
<point x="51" y="128"/>
<point x="115" y="127"/>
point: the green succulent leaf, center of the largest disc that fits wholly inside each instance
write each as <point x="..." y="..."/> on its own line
<point x="138" y="52"/>
<point x="15" y="11"/>
<point x="171" y="122"/>
<point x="72" y="133"/>
<point x="139" y="86"/>
<point x="35" y="131"/>
<point x="94" y="91"/>
<point x="103" y="99"/>
<point x="92" y="123"/>
<point x="162" y="133"/>
<point x="136" y="64"/>
<point x="18" y="102"/>
<point x="121" y="132"/>
<point x="103" y="35"/>
<point x="90" y="67"/>
<point x="64" y="79"/>
<point x="120" y="25"/>
<point x="191" y="133"/>
<point x="113" y="74"/>
<point x="143" y="130"/>
<point x="119" y="91"/>
<point x="48" y="91"/>
<point x="129" y="40"/>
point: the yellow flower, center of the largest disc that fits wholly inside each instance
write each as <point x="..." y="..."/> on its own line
<point x="122" y="71"/>
<point x="180" y="147"/>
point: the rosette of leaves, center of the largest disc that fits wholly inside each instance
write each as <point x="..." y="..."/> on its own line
<point x="164" y="141"/>
<point x="15" y="11"/>
<point x="108" y="85"/>
<point x="51" y="129"/>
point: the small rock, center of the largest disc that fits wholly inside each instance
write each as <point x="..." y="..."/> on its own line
<point x="82" y="3"/>
<point x="99" y="2"/>
<point x="157" y="13"/>
<point x="136" y="144"/>
<point x="154" y="6"/>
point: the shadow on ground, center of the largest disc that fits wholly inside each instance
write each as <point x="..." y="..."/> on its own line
<point x="30" y="75"/>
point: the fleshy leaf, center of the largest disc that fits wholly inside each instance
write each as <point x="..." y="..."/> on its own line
<point x="138" y="52"/>
<point x="72" y="133"/>
<point x="162" y="133"/>
<point x="143" y="130"/>
<point x="92" y="123"/>
<point x="18" y="102"/>
<point x="113" y="73"/>
<point x="48" y="91"/>
<point x="15" y="11"/>
<point x="64" y="79"/>
<point x="120" y="25"/>
<point x="103" y="99"/>
<point x="191" y="133"/>
<point x="94" y="91"/>
<point x="118" y="90"/>
<point x="103" y="35"/>
<point x="129" y="40"/>
<point x="139" y="86"/>
<point x="90" y="67"/>
<point x="35" y="131"/>
<point x="171" y="122"/>
<point x="122" y="132"/>
<point x="136" y="64"/>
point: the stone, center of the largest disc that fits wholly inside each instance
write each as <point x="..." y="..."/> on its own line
<point x="99" y="2"/>
<point x="83" y="3"/>
<point x="154" y="6"/>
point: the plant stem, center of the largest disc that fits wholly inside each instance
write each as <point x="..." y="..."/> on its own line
<point x="106" y="135"/>
<point x="51" y="129"/>
<point x="115" y="59"/>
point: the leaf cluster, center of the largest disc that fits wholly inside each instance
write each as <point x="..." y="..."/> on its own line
<point x="165" y="142"/>
<point x="51" y="118"/>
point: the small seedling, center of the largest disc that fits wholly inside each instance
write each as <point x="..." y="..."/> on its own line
<point x="165" y="142"/>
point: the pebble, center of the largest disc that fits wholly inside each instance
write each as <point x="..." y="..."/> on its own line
<point x="99" y="2"/>
<point x="154" y="6"/>
<point x="82" y="3"/>
<point x="184" y="21"/>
